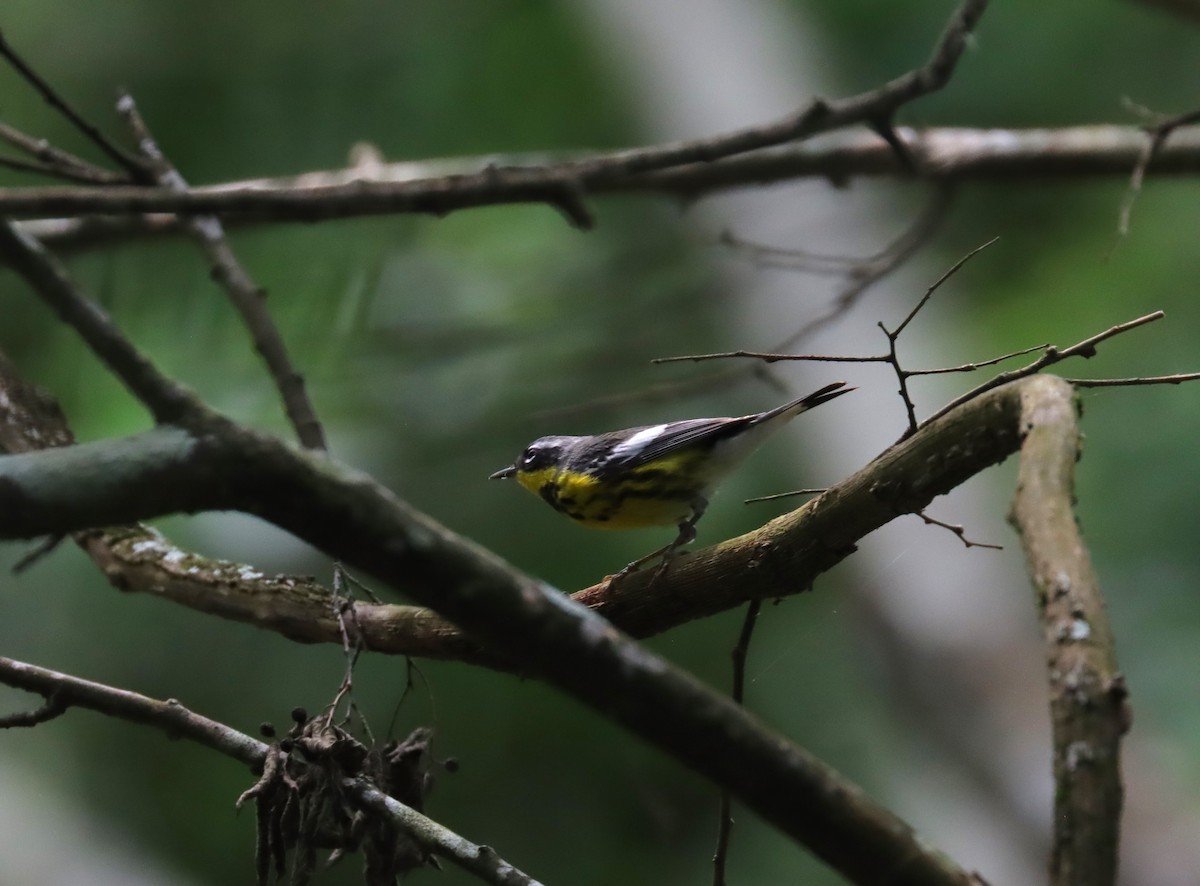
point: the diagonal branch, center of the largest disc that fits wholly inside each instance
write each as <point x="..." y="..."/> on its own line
<point x="247" y="297"/>
<point x="810" y="540"/>
<point x="173" y="719"/>
<point x="167" y="400"/>
<point x="51" y="97"/>
<point x="552" y="637"/>
<point x="1050" y="356"/>
<point x="55" y="161"/>
<point x="214" y="464"/>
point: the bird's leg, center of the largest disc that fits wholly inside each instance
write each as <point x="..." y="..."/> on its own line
<point x="687" y="534"/>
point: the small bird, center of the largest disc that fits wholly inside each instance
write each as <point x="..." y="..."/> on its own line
<point x="659" y="475"/>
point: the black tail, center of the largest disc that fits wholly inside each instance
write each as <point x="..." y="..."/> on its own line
<point x="816" y="398"/>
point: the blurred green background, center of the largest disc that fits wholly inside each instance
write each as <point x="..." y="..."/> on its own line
<point x="436" y="348"/>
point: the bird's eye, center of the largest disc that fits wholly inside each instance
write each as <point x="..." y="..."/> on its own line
<point x="528" y="456"/>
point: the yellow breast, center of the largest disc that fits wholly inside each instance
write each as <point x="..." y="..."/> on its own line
<point x="655" y="495"/>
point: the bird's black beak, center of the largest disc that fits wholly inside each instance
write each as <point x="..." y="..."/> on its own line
<point x="503" y="473"/>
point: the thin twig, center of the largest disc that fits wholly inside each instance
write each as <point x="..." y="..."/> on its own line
<point x="738" y="656"/>
<point x="46" y="546"/>
<point x="779" y="495"/>
<point x="876" y="268"/>
<point x="861" y="275"/>
<point x="1130" y="382"/>
<point x="793" y="259"/>
<point x="52" y="708"/>
<point x="56" y="161"/>
<point x="855" y="267"/>
<point x="971" y="367"/>
<point x="51" y="97"/>
<point x="1052" y="355"/>
<point x="342" y="605"/>
<point x="768" y="357"/>
<point x="248" y="298"/>
<point x="937" y="284"/>
<point x="37" y="169"/>
<point x="1158" y="133"/>
<point x="959" y="531"/>
<point x="893" y="336"/>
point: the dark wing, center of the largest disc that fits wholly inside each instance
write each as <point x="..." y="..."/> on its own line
<point x="635" y="447"/>
<point x="647" y="444"/>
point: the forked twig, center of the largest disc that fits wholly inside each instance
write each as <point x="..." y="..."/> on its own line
<point x="959" y="531"/>
<point x="893" y="336"/>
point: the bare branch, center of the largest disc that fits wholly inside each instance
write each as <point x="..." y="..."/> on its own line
<point x="50" y="710"/>
<point x="971" y="367"/>
<point x="779" y="495"/>
<point x="176" y="721"/>
<point x="247" y="297"/>
<point x="221" y="466"/>
<point x="55" y="161"/>
<point x="167" y="400"/>
<point x="894" y="257"/>
<point x="959" y="531"/>
<point x="562" y="185"/>
<point x="860" y="271"/>
<point x="937" y="284"/>
<point x="52" y="98"/>
<point x="34" y="168"/>
<point x="1158" y="134"/>
<point x="893" y="336"/>
<point x="772" y="357"/>
<point x="1052" y="355"/>
<point x="948" y="155"/>
<point x="1136" y="380"/>
<point x="1087" y="693"/>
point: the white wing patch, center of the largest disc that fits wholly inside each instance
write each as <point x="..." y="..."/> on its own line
<point x="637" y="441"/>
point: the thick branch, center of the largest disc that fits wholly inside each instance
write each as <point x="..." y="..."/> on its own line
<point x="355" y="520"/>
<point x="782" y="558"/>
<point x="214" y="464"/>
<point x="137" y="558"/>
<point x="1087" y="693"/>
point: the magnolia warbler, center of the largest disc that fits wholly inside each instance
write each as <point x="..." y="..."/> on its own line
<point x="657" y="475"/>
